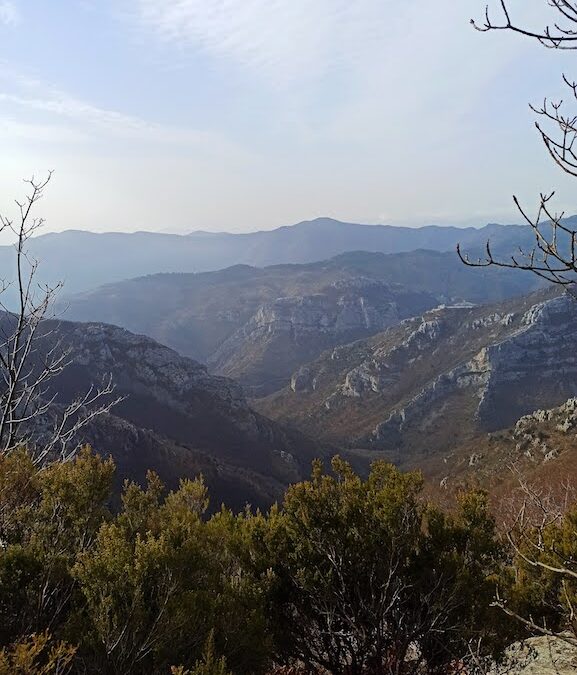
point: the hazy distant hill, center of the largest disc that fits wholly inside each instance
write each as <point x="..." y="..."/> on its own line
<point x="259" y="324"/>
<point x="84" y="260"/>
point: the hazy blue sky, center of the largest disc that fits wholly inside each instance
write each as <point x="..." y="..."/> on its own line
<point x="248" y="114"/>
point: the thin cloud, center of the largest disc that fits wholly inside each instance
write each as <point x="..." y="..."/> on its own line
<point x="9" y="14"/>
<point x="54" y="134"/>
<point x="75" y="108"/>
<point x="45" y="103"/>
<point x="18" y="90"/>
<point x="284" y="40"/>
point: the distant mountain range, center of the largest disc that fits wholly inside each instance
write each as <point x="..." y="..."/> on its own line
<point x="84" y="260"/>
<point x="258" y="325"/>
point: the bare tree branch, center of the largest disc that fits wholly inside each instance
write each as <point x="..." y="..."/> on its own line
<point x="32" y="353"/>
<point x="560" y="34"/>
<point x="553" y="256"/>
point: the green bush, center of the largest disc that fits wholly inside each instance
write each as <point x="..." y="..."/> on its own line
<point x="366" y="577"/>
<point x="349" y="575"/>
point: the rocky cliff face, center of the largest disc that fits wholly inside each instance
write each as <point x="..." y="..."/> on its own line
<point x="528" y="361"/>
<point x="283" y="334"/>
<point x="432" y="382"/>
<point x="260" y="325"/>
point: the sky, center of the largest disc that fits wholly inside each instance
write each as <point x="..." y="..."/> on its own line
<point x="237" y="115"/>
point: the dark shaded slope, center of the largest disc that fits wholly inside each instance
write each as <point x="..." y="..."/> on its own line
<point x="175" y="417"/>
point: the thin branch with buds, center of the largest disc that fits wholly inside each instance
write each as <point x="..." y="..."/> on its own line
<point x="554" y="254"/>
<point x="561" y="34"/>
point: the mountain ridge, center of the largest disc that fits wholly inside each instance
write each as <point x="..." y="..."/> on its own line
<point x="258" y="324"/>
<point x="84" y="260"/>
<point x="436" y="382"/>
<point x="173" y="416"/>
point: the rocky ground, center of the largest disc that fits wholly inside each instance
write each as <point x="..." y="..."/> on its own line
<point x="540" y="656"/>
<point x="540" y="447"/>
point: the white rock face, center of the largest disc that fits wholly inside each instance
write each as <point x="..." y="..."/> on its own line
<point x="541" y="351"/>
<point x="311" y="316"/>
<point x="465" y="369"/>
<point x="290" y="331"/>
<point x="539" y="656"/>
<point x="145" y="363"/>
<point x="492" y="319"/>
<point x="542" y="354"/>
<point x="379" y="372"/>
<point x="303" y="380"/>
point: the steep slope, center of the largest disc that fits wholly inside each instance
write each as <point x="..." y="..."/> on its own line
<point x="259" y="325"/>
<point x="175" y="417"/>
<point x="85" y="260"/>
<point x="434" y="383"/>
<point x="287" y="332"/>
<point x="539" y="451"/>
<point x="137" y="451"/>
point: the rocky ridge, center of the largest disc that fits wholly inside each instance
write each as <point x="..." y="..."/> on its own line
<point x="177" y="418"/>
<point x="260" y="325"/>
<point x="538" y="343"/>
<point x="433" y="382"/>
<point x="282" y="334"/>
<point x="540" y="447"/>
<point x="533" y="432"/>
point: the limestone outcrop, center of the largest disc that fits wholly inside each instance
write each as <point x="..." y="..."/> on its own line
<point x="431" y="382"/>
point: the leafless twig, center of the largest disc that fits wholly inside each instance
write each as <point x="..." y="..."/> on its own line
<point x="553" y="255"/>
<point x="32" y="354"/>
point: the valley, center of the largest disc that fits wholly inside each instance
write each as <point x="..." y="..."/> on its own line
<point x="411" y="357"/>
<point x="258" y="325"/>
<point x="454" y="371"/>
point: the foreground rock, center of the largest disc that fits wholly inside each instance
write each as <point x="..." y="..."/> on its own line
<point x="540" y="656"/>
